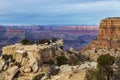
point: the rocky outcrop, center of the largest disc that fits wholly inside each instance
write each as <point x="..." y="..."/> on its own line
<point x="43" y="61"/>
<point x="26" y="60"/>
<point x="107" y="41"/>
<point x="108" y="35"/>
<point x="9" y="74"/>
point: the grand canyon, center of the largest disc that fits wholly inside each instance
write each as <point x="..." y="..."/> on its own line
<point x="98" y="60"/>
<point x="73" y="36"/>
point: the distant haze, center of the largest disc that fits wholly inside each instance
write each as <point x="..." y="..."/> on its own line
<point x="57" y="12"/>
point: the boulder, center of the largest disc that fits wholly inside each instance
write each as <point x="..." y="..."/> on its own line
<point x="24" y="62"/>
<point x="35" y="67"/>
<point x="11" y="72"/>
<point x="29" y="60"/>
<point x="27" y="69"/>
<point x="59" y="52"/>
<point x="18" y="57"/>
<point x="47" y="55"/>
<point x="2" y="63"/>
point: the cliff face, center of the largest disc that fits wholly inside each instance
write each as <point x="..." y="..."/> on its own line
<point x="108" y="35"/>
<point x="27" y="59"/>
<point x="109" y="27"/>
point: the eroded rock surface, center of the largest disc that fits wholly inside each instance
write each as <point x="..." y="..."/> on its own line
<point x="108" y="35"/>
<point x="107" y="41"/>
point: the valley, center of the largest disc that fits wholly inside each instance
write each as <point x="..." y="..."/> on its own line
<point x="73" y="36"/>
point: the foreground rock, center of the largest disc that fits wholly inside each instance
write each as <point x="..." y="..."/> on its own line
<point x="41" y="62"/>
<point x="25" y="60"/>
<point x="9" y="74"/>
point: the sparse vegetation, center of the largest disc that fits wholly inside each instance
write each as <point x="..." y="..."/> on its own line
<point x="104" y="70"/>
<point x="17" y="64"/>
<point x="61" y="60"/>
<point x="54" y="39"/>
<point x="61" y="47"/>
<point x="26" y="42"/>
<point x="105" y="60"/>
<point x="42" y="41"/>
<point x="73" y="60"/>
<point x="6" y="57"/>
<point x="38" y="77"/>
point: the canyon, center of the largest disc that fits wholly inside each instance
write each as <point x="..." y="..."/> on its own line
<point x="79" y="35"/>
<point x="49" y="61"/>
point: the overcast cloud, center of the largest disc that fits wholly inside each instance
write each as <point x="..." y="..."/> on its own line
<point x="52" y="12"/>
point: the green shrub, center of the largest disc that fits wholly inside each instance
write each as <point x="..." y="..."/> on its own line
<point x="104" y="70"/>
<point x="96" y="75"/>
<point x="61" y="47"/>
<point x="42" y="41"/>
<point x="61" y="60"/>
<point x="73" y="60"/>
<point x="6" y="57"/>
<point x="17" y="64"/>
<point x="105" y="60"/>
<point x="26" y="42"/>
<point x="38" y="77"/>
<point x="54" y="39"/>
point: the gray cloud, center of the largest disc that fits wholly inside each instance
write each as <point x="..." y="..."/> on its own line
<point x="57" y="11"/>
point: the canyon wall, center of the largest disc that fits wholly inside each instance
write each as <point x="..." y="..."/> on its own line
<point x="108" y="35"/>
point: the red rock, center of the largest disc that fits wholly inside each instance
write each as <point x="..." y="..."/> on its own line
<point x="108" y="35"/>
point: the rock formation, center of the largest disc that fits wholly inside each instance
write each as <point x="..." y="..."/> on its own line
<point x="43" y="61"/>
<point x="27" y="59"/>
<point x="108" y="34"/>
<point x="30" y="62"/>
<point x="108" y="39"/>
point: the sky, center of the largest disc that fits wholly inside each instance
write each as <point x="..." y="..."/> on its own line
<point x="57" y="12"/>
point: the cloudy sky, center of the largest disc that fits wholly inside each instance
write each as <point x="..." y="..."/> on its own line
<point x="55" y="12"/>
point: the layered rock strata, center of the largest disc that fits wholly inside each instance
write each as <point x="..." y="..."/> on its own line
<point x="108" y="39"/>
<point x="108" y="35"/>
<point x="26" y="60"/>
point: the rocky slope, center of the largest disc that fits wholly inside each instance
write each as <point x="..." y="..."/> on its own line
<point x="42" y="62"/>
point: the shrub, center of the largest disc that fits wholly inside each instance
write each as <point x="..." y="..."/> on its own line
<point x="54" y="39"/>
<point x="17" y="64"/>
<point x="26" y="42"/>
<point x="95" y="75"/>
<point x="6" y="57"/>
<point x="42" y="41"/>
<point x="73" y="60"/>
<point x="104" y="70"/>
<point x="105" y="60"/>
<point x="61" y="60"/>
<point x="61" y="47"/>
<point x="38" y="77"/>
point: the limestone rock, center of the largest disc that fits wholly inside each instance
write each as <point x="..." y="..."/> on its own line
<point x="18" y="57"/>
<point x="24" y="61"/>
<point x="35" y="67"/>
<point x="59" y="52"/>
<point x="2" y="63"/>
<point x="27" y="69"/>
<point x="9" y="74"/>
<point x="8" y="50"/>
<point x="66" y="73"/>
